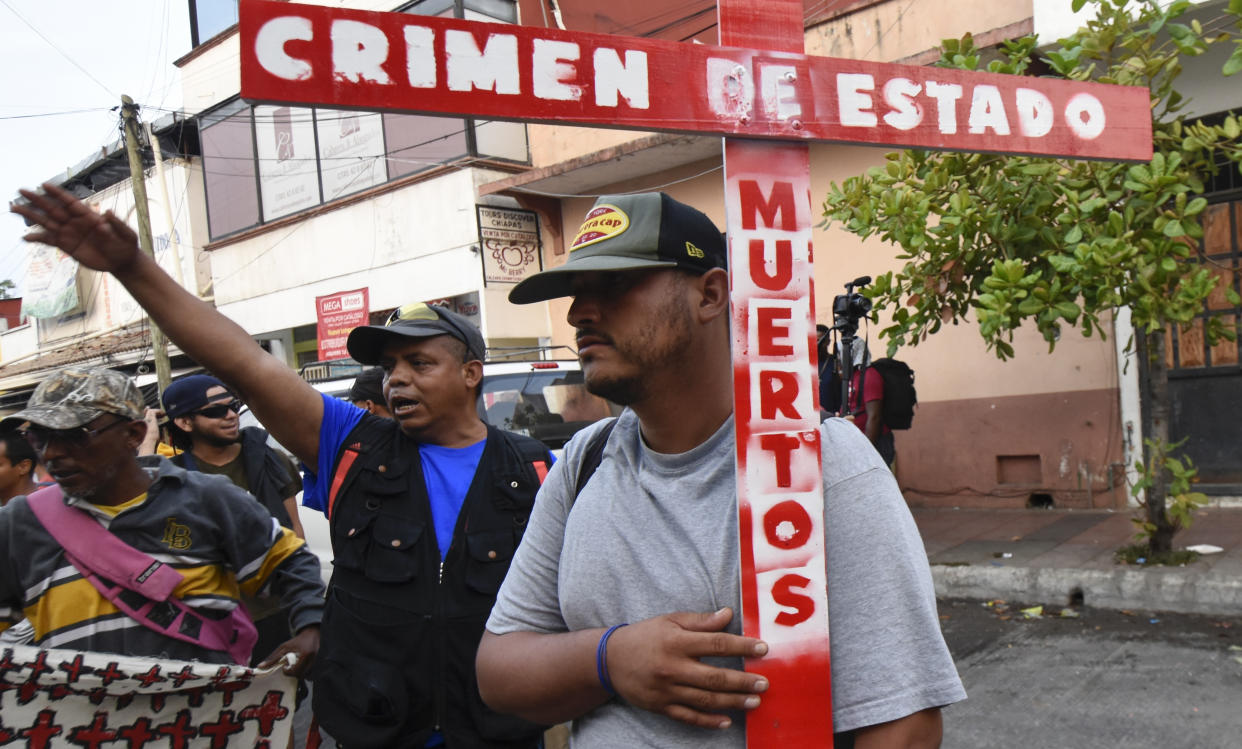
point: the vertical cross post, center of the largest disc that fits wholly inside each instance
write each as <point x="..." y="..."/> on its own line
<point x="776" y="404"/>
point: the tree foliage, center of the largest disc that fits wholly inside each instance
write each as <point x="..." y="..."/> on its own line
<point x="6" y="288"/>
<point x="1056" y="241"/>
<point x="1063" y="243"/>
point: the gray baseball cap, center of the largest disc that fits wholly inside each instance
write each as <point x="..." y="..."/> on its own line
<point x="73" y="397"/>
<point x="631" y="232"/>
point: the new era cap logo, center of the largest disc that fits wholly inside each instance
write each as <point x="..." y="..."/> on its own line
<point x="693" y="251"/>
<point x="603" y="222"/>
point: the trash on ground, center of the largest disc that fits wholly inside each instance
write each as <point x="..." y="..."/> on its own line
<point x="1205" y="549"/>
<point x="1070" y="614"/>
<point x="1034" y="612"/>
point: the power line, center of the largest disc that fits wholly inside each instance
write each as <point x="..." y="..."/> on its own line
<point x="61" y="113"/>
<point x="61" y="52"/>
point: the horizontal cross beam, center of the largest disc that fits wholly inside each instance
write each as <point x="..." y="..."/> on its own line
<point x="313" y="55"/>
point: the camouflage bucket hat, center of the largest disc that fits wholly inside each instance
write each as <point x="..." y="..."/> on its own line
<point x="73" y="397"/>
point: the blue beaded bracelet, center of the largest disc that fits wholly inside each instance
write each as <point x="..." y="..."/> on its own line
<point x="601" y="659"/>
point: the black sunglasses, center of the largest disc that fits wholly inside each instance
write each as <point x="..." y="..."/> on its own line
<point x="38" y="436"/>
<point x="220" y="410"/>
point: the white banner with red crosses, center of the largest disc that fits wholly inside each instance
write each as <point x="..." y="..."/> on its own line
<point x="63" y="698"/>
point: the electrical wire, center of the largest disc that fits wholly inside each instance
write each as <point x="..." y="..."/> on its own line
<point x="59" y="51"/>
<point x="652" y="188"/>
<point x="900" y="15"/>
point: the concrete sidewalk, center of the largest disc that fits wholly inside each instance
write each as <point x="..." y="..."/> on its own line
<point x="1050" y="556"/>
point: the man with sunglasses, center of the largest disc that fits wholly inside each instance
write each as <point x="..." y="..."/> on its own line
<point x="425" y="508"/>
<point x="205" y="425"/>
<point x="86" y="426"/>
<point x="203" y="418"/>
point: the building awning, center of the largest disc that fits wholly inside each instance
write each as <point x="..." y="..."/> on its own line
<point x="120" y="350"/>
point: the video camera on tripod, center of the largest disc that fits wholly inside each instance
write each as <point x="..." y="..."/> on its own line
<point x="836" y="368"/>
<point x="850" y="307"/>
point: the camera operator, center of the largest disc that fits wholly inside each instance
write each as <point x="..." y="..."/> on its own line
<point x="862" y="397"/>
<point x="867" y="403"/>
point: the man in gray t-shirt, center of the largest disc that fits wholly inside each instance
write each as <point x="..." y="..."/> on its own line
<point x="652" y="538"/>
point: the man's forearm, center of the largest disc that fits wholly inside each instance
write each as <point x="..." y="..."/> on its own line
<point x="543" y="678"/>
<point x="921" y="730"/>
<point x="272" y="390"/>
<point x="196" y="327"/>
<point x="291" y="507"/>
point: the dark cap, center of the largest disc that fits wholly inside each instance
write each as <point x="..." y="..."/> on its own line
<point x="190" y="394"/>
<point x="417" y="320"/>
<point x="73" y="397"/>
<point x="630" y="232"/>
<point x="368" y="386"/>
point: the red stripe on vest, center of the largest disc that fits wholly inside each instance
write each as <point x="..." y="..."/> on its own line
<point x="338" y="476"/>
<point x="541" y="470"/>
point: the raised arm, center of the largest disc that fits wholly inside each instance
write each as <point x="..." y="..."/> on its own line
<point x="653" y="664"/>
<point x="290" y="408"/>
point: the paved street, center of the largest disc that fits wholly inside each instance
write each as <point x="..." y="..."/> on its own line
<point x="1132" y="679"/>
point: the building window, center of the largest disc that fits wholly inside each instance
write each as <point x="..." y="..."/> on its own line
<point x="229" y="169"/>
<point x="416" y="142"/>
<point x="210" y="17"/>
<point x="266" y="162"/>
<point x="263" y="163"/>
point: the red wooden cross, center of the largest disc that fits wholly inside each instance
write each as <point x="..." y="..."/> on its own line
<point x="770" y="100"/>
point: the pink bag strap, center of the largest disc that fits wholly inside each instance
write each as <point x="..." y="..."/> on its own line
<point x="83" y="537"/>
<point x="143" y="585"/>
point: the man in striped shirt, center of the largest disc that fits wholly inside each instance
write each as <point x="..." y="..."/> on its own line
<point x="86" y="426"/>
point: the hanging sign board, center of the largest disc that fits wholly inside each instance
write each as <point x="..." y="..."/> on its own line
<point x="509" y="239"/>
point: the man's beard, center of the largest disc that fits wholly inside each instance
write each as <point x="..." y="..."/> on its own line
<point x="217" y="441"/>
<point x="647" y="359"/>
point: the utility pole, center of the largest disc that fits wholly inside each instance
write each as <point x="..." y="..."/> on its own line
<point x="159" y="344"/>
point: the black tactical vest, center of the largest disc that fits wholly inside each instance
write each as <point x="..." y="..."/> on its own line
<point x="400" y="630"/>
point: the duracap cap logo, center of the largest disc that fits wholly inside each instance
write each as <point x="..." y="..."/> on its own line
<point x="603" y="222"/>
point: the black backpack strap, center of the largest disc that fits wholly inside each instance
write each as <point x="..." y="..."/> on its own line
<point x="532" y="453"/>
<point x="592" y="457"/>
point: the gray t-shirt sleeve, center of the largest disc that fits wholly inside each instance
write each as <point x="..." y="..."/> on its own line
<point x="889" y="658"/>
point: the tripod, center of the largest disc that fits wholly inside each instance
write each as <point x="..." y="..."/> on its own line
<point x="847" y="310"/>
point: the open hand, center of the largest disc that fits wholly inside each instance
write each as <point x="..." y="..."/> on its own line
<point x="100" y="241"/>
<point x="654" y="664"/>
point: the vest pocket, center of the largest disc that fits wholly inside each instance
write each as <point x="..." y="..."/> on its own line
<point x="362" y="694"/>
<point x="393" y="556"/>
<point x="488" y="559"/>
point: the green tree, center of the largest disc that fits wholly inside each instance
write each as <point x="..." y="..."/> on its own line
<point x="6" y="288"/>
<point x="1064" y="243"/>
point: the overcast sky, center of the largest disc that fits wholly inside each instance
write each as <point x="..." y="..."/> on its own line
<point x="66" y="64"/>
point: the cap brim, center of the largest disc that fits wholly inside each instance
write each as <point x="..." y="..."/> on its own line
<point x="52" y="417"/>
<point x="555" y="282"/>
<point x="366" y="343"/>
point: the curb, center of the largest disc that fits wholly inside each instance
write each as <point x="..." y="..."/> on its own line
<point x="1153" y="589"/>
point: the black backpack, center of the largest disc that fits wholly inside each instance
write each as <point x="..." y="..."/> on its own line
<point x="899" y="395"/>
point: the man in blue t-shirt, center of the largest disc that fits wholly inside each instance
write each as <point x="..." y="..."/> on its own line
<point x="426" y="508"/>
